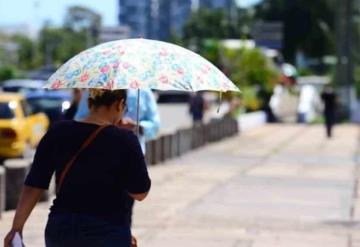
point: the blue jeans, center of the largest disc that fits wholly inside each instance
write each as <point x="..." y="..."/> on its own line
<point x="72" y="230"/>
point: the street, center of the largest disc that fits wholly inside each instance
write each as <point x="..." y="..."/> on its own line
<point x="273" y="186"/>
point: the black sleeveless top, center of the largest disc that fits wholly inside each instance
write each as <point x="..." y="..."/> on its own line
<point x="99" y="181"/>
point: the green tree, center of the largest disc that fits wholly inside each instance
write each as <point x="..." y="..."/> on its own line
<point x="57" y="45"/>
<point x="211" y="51"/>
<point x="80" y="30"/>
<point x="81" y="27"/>
<point x="7" y="72"/>
<point x="209" y="24"/>
<point x="308" y="25"/>
<point x="205" y="24"/>
<point x="357" y="80"/>
<point x="26" y="48"/>
<point x="8" y="55"/>
<point x="250" y="67"/>
<point x="253" y="73"/>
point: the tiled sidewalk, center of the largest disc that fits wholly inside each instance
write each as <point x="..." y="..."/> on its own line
<point x="275" y="186"/>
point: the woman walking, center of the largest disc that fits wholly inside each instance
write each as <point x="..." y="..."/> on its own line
<point x="97" y="167"/>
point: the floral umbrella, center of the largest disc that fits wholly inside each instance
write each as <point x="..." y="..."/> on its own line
<point x="140" y="63"/>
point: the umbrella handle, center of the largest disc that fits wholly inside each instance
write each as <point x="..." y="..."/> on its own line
<point x="220" y="102"/>
<point x="138" y="114"/>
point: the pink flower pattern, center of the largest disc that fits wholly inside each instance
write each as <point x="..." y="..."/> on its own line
<point x="56" y="85"/>
<point x="134" y="84"/>
<point x="164" y="79"/>
<point x="84" y="77"/>
<point x="105" y="69"/>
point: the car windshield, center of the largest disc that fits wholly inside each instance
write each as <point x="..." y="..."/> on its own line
<point x="5" y="111"/>
<point x="43" y="104"/>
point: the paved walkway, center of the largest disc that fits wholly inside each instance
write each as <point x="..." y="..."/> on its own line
<point x="275" y="186"/>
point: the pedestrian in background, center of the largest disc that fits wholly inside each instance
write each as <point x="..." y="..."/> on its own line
<point x="197" y="108"/>
<point x="329" y="99"/>
<point x="91" y="205"/>
<point x="149" y="117"/>
<point x="70" y="113"/>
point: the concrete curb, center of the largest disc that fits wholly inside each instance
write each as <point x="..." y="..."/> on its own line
<point x="16" y="171"/>
<point x="2" y="190"/>
<point x="172" y="145"/>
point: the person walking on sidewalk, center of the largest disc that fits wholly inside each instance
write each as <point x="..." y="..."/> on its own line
<point x="197" y="108"/>
<point x="97" y="166"/>
<point x="70" y="113"/>
<point x="329" y="99"/>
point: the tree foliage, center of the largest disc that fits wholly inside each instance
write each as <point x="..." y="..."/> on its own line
<point x="57" y="45"/>
<point x="253" y="73"/>
<point x="26" y="51"/>
<point x="308" y="25"/>
<point x="7" y="72"/>
<point x="250" y="67"/>
<point x="207" y="23"/>
<point x="216" y="24"/>
<point x="54" y="45"/>
<point x="80" y="30"/>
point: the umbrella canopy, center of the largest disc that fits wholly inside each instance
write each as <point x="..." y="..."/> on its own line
<point x="139" y="64"/>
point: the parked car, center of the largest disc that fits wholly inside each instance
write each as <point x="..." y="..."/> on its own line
<point x="23" y="86"/>
<point x="53" y="103"/>
<point x="20" y="128"/>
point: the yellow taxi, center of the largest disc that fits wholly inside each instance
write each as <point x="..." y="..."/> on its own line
<point x="20" y="129"/>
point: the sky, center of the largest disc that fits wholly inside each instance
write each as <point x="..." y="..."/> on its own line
<point x="35" y="12"/>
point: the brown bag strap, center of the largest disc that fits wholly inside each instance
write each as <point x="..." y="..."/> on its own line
<point x="67" y="167"/>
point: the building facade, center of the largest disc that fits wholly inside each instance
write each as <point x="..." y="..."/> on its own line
<point x="228" y="5"/>
<point x="159" y="19"/>
<point x="137" y="16"/>
<point x="173" y="14"/>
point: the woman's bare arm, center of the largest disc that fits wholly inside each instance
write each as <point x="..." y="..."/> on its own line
<point x="28" y="198"/>
<point x="27" y="201"/>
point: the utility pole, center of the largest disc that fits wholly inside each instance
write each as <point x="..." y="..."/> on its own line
<point x="344" y="44"/>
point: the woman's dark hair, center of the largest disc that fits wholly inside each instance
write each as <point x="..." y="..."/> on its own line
<point x="106" y="97"/>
